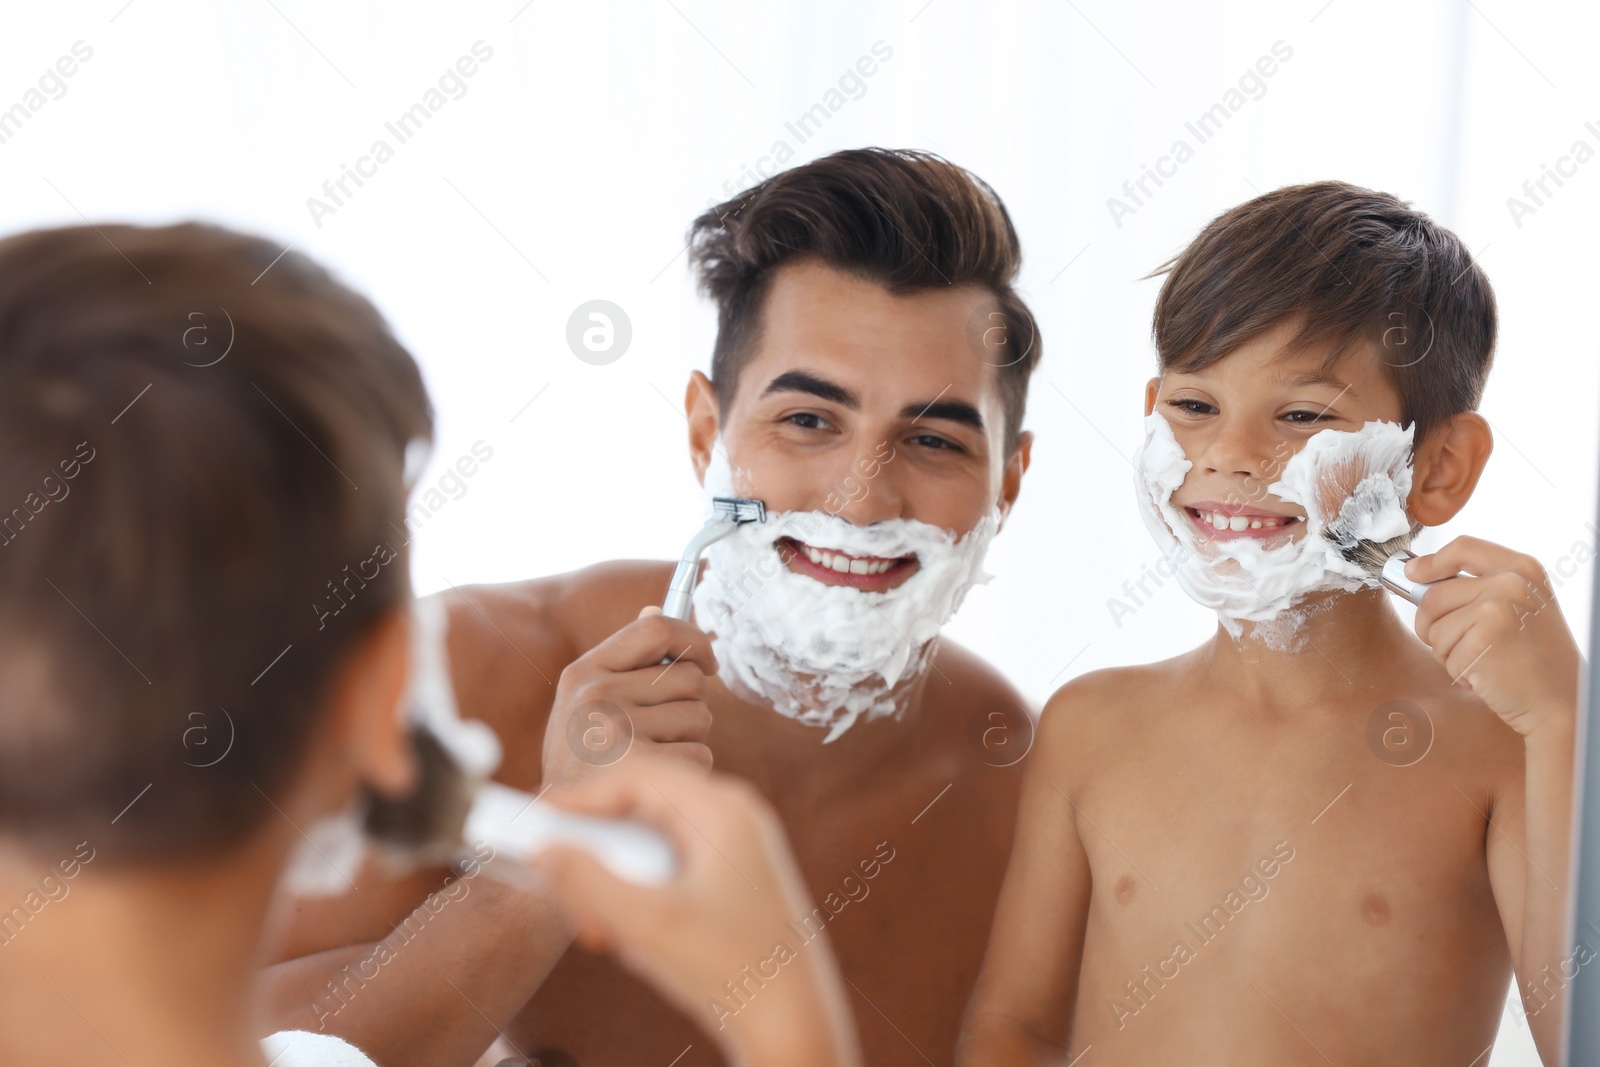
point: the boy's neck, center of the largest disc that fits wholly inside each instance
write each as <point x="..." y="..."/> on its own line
<point x="1345" y="644"/>
<point x="134" y="966"/>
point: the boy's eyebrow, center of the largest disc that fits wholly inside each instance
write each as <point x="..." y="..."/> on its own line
<point x="799" y="381"/>
<point x="1315" y="378"/>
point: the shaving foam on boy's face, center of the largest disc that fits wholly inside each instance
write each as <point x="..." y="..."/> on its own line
<point x="827" y="621"/>
<point x="1257" y="561"/>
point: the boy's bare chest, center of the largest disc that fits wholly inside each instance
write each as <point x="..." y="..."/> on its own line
<point x="1314" y="863"/>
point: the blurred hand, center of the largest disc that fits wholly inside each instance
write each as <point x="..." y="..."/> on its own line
<point x="1498" y="631"/>
<point x="726" y="910"/>
<point x="620" y="697"/>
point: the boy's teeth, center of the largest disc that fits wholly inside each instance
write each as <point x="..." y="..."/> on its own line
<point x="1218" y="521"/>
<point x="844" y="564"/>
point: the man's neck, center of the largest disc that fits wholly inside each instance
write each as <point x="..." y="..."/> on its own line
<point x="133" y="966"/>
<point x="1345" y="645"/>
<point x="785" y="757"/>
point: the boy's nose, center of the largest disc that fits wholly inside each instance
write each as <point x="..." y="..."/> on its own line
<point x="1242" y="449"/>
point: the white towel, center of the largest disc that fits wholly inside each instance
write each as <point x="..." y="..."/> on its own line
<point x="302" y="1048"/>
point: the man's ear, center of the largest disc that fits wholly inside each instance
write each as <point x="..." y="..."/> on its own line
<point x="366" y="712"/>
<point x="1011" y="477"/>
<point x="1151" y="389"/>
<point x="704" y="411"/>
<point x="1446" y="466"/>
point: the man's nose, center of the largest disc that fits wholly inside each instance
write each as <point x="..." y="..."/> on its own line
<point x="868" y="488"/>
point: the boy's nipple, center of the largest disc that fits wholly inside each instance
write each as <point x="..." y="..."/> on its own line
<point x="1125" y="889"/>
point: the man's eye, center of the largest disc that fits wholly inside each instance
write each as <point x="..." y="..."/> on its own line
<point x="933" y="441"/>
<point x="1192" y="407"/>
<point x="808" y="420"/>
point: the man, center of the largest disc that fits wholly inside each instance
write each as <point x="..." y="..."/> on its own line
<point x="868" y="385"/>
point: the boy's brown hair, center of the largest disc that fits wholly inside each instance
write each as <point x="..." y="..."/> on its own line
<point x="203" y="444"/>
<point x="904" y="219"/>
<point x="1351" y="266"/>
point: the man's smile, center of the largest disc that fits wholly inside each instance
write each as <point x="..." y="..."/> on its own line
<point x="873" y="574"/>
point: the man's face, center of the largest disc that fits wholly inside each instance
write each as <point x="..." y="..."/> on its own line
<point x="868" y="406"/>
<point x="1243" y="418"/>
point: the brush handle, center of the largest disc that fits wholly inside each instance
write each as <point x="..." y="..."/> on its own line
<point x="1393" y="577"/>
<point x="520" y="826"/>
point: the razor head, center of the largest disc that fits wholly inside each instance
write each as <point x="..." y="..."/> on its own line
<point x="739" y="510"/>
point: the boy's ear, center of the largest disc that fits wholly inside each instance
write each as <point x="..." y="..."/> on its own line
<point x="704" y="412"/>
<point x="366" y="711"/>
<point x="1151" y="389"/>
<point x="1446" y="466"/>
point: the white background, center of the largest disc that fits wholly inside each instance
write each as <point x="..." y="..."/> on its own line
<point x="574" y="162"/>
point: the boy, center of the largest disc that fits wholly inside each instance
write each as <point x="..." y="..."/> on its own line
<point x="199" y="438"/>
<point x="1231" y="856"/>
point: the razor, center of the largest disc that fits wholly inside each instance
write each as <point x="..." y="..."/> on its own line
<point x="728" y="514"/>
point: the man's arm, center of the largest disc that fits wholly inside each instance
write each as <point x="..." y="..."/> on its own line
<point x="1021" y="1009"/>
<point x="1500" y="633"/>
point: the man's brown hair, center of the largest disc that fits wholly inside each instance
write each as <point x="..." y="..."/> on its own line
<point x="904" y="219"/>
<point x="203" y="442"/>
<point x="1349" y="265"/>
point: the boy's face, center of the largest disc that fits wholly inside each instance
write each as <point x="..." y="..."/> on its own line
<point x="1243" y="418"/>
<point x="870" y="406"/>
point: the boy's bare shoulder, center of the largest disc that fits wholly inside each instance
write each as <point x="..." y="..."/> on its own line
<point x="1111" y="690"/>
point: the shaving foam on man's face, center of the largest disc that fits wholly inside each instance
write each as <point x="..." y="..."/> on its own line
<point x="847" y="631"/>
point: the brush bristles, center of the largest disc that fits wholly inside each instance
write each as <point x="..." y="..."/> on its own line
<point x="1370" y="556"/>
<point x="429" y="820"/>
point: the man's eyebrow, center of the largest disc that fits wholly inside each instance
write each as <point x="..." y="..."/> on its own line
<point x="798" y="381"/>
<point x="958" y="411"/>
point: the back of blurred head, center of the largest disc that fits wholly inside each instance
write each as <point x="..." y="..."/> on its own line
<point x="203" y="447"/>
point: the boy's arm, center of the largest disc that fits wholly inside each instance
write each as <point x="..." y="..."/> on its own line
<point x="348" y="967"/>
<point x="1501" y="634"/>
<point x="736" y="892"/>
<point x="435" y="975"/>
<point x="1021" y="1008"/>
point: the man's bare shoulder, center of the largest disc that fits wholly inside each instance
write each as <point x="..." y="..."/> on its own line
<point x="965" y="680"/>
<point x="576" y="610"/>
<point x="510" y="642"/>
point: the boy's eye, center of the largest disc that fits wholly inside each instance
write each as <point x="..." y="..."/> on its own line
<point x="1192" y="407"/>
<point x="1306" y="418"/>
